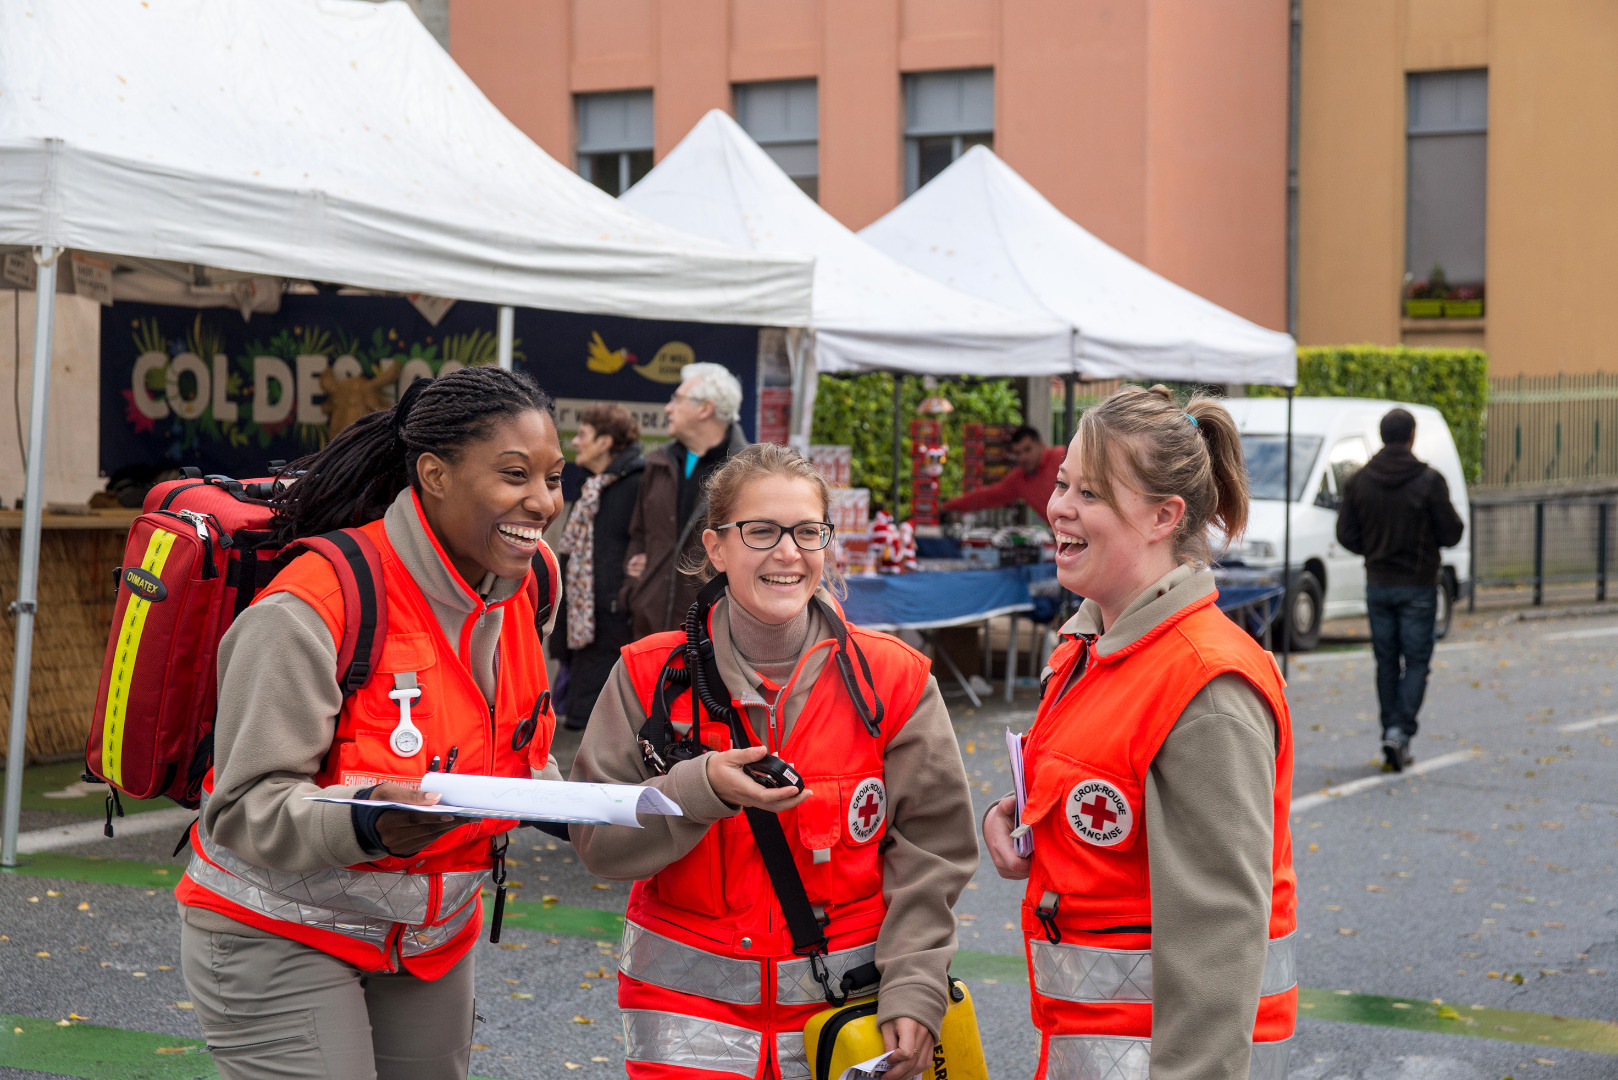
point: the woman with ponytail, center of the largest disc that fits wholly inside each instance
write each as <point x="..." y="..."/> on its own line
<point x="1160" y="906"/>
<point x="334" y="940"/>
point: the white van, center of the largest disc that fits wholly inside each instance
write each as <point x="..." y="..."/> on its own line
<point x="1331" y="438"/>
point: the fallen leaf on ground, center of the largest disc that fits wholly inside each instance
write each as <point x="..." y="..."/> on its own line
<point x="1594" y="971"/>
<point x="1400" y="1005"/>
<point x="522" y="996"/>
<point x="572" y="1065"/>
<point x="599" y="885"/>
<point x="42" y="954"/>
<point x="480" y="1046"/>
<point x="1347" y="932"/>
<point x="182" y="1005"/>
<point x="64" y="1023"/>
<point x="600" y="1059"/>
<point x="52" y="892"/>
<point x="1011" y="926"/>
<point x="138" y="974"/>
<point x="172" y="1049"/>
<point x="584" y="986"/>
<point x="583" y="1020"/>
<point x="84" y="905"/>
<point x="514" y="945"/>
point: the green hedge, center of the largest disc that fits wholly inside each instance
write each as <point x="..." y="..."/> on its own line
<point x="1453" y="381"/>
<point x="857" y="411"/>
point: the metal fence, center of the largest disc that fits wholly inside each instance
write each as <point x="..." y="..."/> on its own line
<point x="1539" y="547"/>
<point x="1547" y="429"/>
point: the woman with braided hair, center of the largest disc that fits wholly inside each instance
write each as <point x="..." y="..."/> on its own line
<point x="334" y="940"/>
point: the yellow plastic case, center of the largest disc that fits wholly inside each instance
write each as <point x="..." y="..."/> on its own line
<point x="843" y="1036"/>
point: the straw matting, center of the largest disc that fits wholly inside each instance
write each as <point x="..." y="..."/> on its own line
<point x="76" y="596"/>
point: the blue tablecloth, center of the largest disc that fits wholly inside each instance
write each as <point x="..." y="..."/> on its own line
<point x="954" y="598"/>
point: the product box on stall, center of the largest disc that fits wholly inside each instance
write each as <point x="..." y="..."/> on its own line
<point x="836" y="464"/>
<point x="927" y="429"/>
<point x="851" y="510"/>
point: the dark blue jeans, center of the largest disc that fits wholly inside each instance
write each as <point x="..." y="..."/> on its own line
<point x="1402" y="626"/>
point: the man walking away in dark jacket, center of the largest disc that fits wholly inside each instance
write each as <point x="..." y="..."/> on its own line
<point x="1396" y="512"/>
<point x="665" y="532"/>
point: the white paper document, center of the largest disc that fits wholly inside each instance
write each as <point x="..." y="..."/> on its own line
<point x="467" y="795"/>
<point x="877" y="1066"/>
<point x="1021" y="838"/>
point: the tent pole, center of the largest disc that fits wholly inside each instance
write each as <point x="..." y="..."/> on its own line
<point x="1286" y="547"/>
<point x="28" y="571"/>
<point x="1070" y="421"/>
<point x="898" y="439"/>
<point x="508" y="320"/>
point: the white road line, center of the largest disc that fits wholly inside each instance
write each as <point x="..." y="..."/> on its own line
<point x="1353" y="786"/>
<point x="1593" y="722"/>
<point x="134" y="825"/>
<point x="1574" y="635"/>
<point x="1305" y="660"/>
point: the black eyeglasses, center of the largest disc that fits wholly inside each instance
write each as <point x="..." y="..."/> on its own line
<point x="763" y="535"/>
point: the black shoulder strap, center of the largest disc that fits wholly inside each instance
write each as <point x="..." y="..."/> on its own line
<point x="358" y="565"/>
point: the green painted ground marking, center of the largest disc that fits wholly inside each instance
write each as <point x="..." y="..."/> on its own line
<point x="54" y="864"/>
<point x="1535" y="1029"/>
<point x="100" y="1053"/>
<point x="103" y="1053"/>
<point x="39" y="779"/>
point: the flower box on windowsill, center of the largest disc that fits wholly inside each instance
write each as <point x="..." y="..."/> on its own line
<point x="1424" y="309"/>
<point x="1443" y="309"/>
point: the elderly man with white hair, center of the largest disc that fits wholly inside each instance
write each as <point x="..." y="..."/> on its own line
<point x="670" y="506"/>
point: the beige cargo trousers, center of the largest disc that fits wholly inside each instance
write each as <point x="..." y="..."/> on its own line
<point x="275" y="1009"/>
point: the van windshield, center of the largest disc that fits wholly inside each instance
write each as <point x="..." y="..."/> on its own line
<point x="1266" y="457"/>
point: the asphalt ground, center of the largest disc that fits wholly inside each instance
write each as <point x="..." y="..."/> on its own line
<point x="1428" y="904"/>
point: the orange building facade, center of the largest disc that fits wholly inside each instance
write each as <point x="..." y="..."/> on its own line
<point x="1159" y="125"/>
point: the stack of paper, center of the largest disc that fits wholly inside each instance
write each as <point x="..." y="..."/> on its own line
<point x="466" y="795"/>
<point x="1021" y="838"/>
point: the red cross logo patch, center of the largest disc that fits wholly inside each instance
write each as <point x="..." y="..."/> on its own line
<point x="867" y="810"/>
<point x="1099" y="813"/>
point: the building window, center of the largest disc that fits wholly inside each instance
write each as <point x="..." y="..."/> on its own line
<point x="615" y="139"/>
<point x="784" y="118"/>
<point x="946" y="113"/>
<point x="1446" y="163"/>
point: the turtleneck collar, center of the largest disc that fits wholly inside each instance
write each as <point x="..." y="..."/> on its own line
<point x="763" y="643"/>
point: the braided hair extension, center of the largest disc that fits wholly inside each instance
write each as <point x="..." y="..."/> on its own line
<point x="359" y="473"/>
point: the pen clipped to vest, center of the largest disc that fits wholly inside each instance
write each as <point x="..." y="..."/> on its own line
<point x="839" y="1038"/>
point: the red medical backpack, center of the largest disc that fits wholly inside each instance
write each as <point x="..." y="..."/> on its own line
<point x="195" y="558"/>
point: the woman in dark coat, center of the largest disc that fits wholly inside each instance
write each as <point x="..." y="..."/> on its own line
<point x="592" y="627"/>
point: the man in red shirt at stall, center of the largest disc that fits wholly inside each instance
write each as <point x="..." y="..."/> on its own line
<point x="1032" y="479"/>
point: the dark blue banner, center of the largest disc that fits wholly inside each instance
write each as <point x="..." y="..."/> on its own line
<point x="206" y="388"/>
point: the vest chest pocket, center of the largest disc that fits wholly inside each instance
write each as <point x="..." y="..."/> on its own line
<point x="1086" y="823"/>
<point x="400" y="653"/>
<point x="838" y="833"/>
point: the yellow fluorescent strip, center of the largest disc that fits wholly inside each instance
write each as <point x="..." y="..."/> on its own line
<point x="123" y="661"/>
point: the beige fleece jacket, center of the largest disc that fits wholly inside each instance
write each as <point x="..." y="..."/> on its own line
<point x="928" y="856"/>
<point x="1210" y="820"/>
<point x="278" y="706"/>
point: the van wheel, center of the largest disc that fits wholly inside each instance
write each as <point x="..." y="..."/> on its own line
<point x="1446" y="605"/>
<point x="1302" y="622"/>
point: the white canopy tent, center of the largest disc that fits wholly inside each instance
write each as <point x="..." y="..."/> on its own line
<point x="327" y="140"/>
<point x="983" y="229"/>
<point x="870" y="312"/>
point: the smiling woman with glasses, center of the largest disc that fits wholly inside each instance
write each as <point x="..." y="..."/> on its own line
<point x="875" y="824"/>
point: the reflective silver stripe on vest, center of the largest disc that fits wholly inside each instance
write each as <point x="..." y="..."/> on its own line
<point x="795" y="981"/>
<point x="1106" y="1057"/>
<point x="653" y="958"/>
<point x="395" y="897"/>
<point x="423" y="939"/>
<point x="371" y="930"/>
<point x="791" y="1056"/>
<point x="1280" y="967"/>
<point x="459" y="885"/>
<point x="691" y="1042"/>
<point x="1084" y="974"/>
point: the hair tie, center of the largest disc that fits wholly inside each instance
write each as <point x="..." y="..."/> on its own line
<point x="1193" y="420"/>
<point x="407" y="401"/>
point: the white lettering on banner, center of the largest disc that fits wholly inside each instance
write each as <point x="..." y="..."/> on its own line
<point x="188" y="408"/>
<point x="346" y="367"/>
<point x="1099" y="813"/>
<point x="224" y="409"/>
<point x="268" y="369"/>
<point x="146" y="403"/>
<point x="648" y="414"/>
<point x="309" y="369"/>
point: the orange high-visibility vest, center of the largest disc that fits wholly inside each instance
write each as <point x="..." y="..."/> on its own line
<point x="708" y="982"/>
<point x="425" y="910"/>
<point x="1087" y="911"/>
